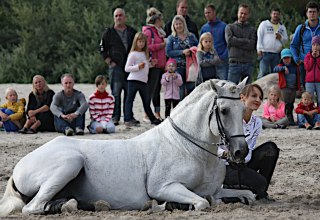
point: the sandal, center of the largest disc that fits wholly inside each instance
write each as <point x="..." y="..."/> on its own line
<point x="23" y="130"/>
<point x="31" y="131"/>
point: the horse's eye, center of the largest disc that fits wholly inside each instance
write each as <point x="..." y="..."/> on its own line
<point x="224" y="111"/>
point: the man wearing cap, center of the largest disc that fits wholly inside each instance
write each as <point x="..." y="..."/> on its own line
<point x="301" y="42"/>
<point x="114" y="48"/>
<point x="241" y="38"/>
<point x="272" y="35"/>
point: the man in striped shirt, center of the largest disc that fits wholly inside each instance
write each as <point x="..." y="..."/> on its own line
<point x="101" y="106"/>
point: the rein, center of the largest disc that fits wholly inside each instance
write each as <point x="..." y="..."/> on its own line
<point x="225" y="139"/>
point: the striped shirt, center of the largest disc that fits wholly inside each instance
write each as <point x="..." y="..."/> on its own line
<point x="101" y="106"/>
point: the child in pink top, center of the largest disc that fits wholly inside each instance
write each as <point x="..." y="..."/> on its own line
<point x="274" y="110"/>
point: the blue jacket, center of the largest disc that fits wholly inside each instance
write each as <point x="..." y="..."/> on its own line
<point x="297" y="52"/>
<point x="175" y="50"/>
<point x="216" y="28"/>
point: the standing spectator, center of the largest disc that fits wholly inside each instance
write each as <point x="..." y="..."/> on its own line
<point x="207" y="58"/>
<point x="182" y="9"/>
<point x="138" y="66"/>
<point x="312" y="66"/>
<point x="178" y="47"/>
<point x="69" y="107"/>
<point x="217" y="28"/>
<point x="156" y="44"/>
<point x="289" y="81"/>
<point x="171" y="81"/>
<point x="114" y="48"/>
<point x="12" y="113"/>
<point x="39" y="116"/>
<point x="241" y="38"/>
<point x="272" y="35"/>
<point x="301" y="43"/>
<point x="101" y="106"/>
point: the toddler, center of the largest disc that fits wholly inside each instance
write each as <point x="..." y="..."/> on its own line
<point x="289" y="81"/>
<point x="171" y="80"/>
<point x="274" y="110"/>
<point x="307" y="113"/>
<point x="12" y="112"/>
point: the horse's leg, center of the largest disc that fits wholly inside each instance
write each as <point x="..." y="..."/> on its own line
<point x="59" y="178"/>
<point x="176" y="192"/>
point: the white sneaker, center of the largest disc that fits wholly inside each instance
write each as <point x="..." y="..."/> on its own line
<point x="70" y="206"/>
<point x="68" y="131"/>
<point x="79" y="131"/>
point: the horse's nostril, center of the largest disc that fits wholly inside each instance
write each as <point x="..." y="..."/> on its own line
<point x="237" y="154"/>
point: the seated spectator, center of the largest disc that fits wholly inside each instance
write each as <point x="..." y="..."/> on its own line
<point x="274" y="110"/>
<point x="69" y="107"/>
<point x="307" y="113"/>
<point x="12" y="113"/>
<point x="101" y="106"/>
<point x="39" y="116"/>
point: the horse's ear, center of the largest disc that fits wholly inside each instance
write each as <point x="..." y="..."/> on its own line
<point x="215" y="86"/>
<point x="243" y="83"/>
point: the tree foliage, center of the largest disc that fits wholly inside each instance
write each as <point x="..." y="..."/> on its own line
<point x="51" y="37"/>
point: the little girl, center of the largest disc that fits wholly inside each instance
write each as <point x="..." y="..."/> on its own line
<point x="289" y="81"/>
<point x="274" y="110"/>
<point x="207" y="58"/>
<point x="171" y="80"/>
<point x="312" y="66"/>
<point x="12" y="112"/>
<point x="138" y="67"/>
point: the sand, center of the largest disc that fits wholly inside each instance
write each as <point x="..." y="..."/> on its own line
<point x="294" y="186"/>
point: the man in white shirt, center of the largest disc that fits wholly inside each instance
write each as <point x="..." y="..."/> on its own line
<point x="272" y="35"/>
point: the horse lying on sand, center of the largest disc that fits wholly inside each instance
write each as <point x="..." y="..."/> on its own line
<point x="175" y="161"/>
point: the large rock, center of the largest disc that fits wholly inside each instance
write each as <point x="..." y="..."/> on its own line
<point x="267" y="81"/>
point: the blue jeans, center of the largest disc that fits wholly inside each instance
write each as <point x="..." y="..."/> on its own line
<point x="302" y="119"/>
<point x="154" y="86"/>
<point x="109" y="126"/>
<point x="222" y="70"/>
<point x="118" y="82"/>
<point x="187" y="87"/>
<point x="314" y="88"/>
<point x="267" y="63"/>
<point x="61" y="124"/>
<point x="133" y="87"/>
<point x="9" y="126"/>
<point x="238" y="71"/>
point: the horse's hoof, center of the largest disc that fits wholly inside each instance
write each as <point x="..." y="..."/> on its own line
<point x="101" y="205"/>
<point x="70" y="206"/>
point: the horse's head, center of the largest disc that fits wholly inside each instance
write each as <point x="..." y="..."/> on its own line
<point x="228" y="110"/>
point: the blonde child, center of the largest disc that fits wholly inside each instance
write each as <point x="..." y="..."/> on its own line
<point x="12" y="112"/>
<point x="207" y="58"/>
<point x="307" y="113"/>
<point x="138" y="67"/>
<point x="312" y="66"/>
<point x="289" y="81"/>
<point x="274" y="110"/>
<point x="171" y="80"/>
<point x="101" y="106"/>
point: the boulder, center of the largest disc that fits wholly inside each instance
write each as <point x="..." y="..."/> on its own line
<point x="267" y="81"/>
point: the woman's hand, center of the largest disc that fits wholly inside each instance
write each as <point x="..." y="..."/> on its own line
<point x="186" y="52"/>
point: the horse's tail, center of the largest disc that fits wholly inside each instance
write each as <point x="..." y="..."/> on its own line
<point x="11" y="201"/>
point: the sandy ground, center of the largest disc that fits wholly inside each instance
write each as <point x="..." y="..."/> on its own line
<point x="295" y="184"/>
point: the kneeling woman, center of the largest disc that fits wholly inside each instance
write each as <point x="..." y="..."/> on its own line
<point x="261" y="160"/>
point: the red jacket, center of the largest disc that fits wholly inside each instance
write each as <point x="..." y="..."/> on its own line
<point x="312" y="66"/>
<point x="282" y="80"/>
<point x="301" y="108"/>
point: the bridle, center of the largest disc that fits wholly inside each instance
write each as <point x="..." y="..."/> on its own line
<point x="224" y="138"/>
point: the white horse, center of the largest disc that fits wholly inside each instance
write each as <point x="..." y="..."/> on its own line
<point x="175" y="161"/>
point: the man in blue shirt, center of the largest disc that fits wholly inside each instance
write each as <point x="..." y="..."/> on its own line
<point x="216" y="27"/>
<point x="301" y="42"/>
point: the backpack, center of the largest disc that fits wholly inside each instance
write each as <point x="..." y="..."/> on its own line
<point x="302" y="29"/>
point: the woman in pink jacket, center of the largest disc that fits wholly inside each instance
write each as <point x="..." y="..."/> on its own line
<point x="172" y="81"/>
<point x="312" y="66"/>
<point x="274" y="110"/>
<point x="156" y="44"/>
